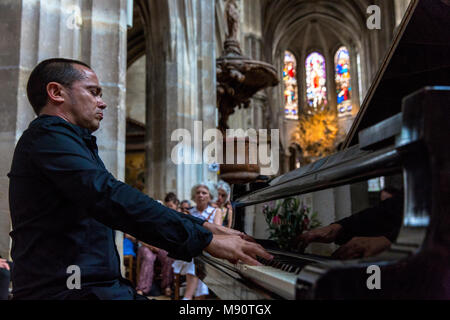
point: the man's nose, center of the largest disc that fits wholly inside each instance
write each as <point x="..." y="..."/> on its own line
<point x="102" y="104"/>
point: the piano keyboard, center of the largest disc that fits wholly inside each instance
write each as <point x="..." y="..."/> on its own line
<point x="278" y="275"/>
<point x="278" y="281"/>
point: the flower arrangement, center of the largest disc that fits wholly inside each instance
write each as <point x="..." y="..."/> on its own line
<point x="288" y="218"/>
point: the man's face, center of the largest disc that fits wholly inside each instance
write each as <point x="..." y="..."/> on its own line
<point x="85" y="105"/>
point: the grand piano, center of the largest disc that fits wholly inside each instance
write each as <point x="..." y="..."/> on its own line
<point x="402" y="128"/>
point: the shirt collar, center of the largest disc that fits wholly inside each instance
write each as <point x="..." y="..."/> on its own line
<point x="49" y="119"/>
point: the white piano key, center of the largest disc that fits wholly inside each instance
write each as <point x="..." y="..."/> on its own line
<point x="281" y="282"/>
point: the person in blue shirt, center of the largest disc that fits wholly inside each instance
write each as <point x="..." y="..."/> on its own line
<point x="128" y="246"/>
<point x="65" y="205"/>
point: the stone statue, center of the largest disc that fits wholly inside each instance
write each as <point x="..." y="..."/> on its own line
<point x="232" y="16"/>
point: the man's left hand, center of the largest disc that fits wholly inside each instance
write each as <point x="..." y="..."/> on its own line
<point x="235" y="249"/>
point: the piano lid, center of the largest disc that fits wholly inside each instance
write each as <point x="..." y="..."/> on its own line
<point x="418" y="57"/>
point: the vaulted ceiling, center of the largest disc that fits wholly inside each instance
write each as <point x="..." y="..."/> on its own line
<point x="306" y="25"/>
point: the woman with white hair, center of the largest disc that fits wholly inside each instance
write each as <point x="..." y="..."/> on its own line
<point x="203" y="194"/>
<point x="223" y="203"/>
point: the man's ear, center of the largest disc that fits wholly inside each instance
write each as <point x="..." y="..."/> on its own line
<point x="54" y="92"/>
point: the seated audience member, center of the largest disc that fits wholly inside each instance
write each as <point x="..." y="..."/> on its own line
<point x="185" y="206"/>
<point x="363" y="234"/>
<point x="129" y="245"/>
<point x="187" y="268"/>
<point x="223" y="203"/>
<point x="5" y="276"/>
<point x="203" y="195"/>
<point x="171" y="201"/>
<point x="147" y="256"/>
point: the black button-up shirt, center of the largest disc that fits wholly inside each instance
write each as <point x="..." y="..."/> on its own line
<point x="64" y="207"/>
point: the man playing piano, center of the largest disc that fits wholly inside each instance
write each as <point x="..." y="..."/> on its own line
<point x="65" y="205"/>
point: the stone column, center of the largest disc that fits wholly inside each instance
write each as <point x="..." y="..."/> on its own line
<point x="207" y="72"/>
<point x="330" y="70"/>
<point x="18" y="21"/>
<point x="180" y="53"/>
<point x="161" y="93"/>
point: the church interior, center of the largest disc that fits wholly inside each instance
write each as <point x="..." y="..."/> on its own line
<point x="319" y="75"/>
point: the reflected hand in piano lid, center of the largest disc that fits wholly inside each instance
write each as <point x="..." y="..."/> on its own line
<point x="366" y="233"/>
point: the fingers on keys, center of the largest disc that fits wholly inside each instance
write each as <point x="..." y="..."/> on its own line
<point x="251" y="251"/>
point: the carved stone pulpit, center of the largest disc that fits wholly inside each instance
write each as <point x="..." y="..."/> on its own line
<point x="238" y="79"/>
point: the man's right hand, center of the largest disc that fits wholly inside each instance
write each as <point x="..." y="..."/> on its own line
<point x="233" y="248"/>
<point x="221" y="230"/>
<point x="324" y="234"/>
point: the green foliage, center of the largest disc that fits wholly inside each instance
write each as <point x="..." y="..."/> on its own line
<point x="287" y="219"/>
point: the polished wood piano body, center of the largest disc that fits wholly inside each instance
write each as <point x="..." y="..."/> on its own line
<point x="402" y="127"/>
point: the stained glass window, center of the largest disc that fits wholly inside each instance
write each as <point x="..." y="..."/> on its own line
<point x="376" y="184"/>
<point x="316" y="90"/>
<point x="290" y="86"/>
<point x="343" y="85"/>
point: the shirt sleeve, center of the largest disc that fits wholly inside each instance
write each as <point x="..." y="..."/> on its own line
<point x="61" y="157"/>
<point x="382" y="220"/>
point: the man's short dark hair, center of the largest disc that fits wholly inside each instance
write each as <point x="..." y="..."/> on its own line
<point x="52" y="70"/>
<point x="171" y="197"/>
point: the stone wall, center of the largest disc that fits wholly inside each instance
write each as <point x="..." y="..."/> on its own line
<point x="136" y="90"/>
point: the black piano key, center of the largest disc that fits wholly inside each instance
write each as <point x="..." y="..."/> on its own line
<point x="285" y="263"/>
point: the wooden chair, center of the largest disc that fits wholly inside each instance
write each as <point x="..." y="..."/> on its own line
<point x="137" y="270"/>
<point x="177" y="286"/>
<point x="128" y="261"/>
